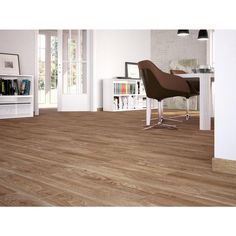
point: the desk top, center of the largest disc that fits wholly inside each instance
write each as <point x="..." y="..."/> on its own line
<point x="194" y="75"/>
<point x="198" y="75"/>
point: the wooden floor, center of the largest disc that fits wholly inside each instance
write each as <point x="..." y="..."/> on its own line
<point x="107" y="159"/>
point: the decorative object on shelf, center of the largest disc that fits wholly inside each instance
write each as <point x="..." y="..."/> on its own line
<point x="183" y="32"/>
<point x="203" y="69"/>
<point x="183" y="64"/>
<point x="9" y="64"/>
<point x="132" y="70"/>
<point x="202" y="35"/>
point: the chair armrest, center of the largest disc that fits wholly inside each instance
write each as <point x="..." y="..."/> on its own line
<point x="194" y="84"/>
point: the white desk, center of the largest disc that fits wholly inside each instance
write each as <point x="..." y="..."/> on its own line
<point x="205" y="100"/>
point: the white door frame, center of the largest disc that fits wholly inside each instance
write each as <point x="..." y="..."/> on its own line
<point x="90" y="67"/>
<point x="64" y="98"/>
<point x="36" y="104"/>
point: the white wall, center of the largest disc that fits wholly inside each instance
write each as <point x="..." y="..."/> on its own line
<point x="21" y="42"/>
<point x="225" y="94"/>
<point x="111" y="49"/>
<point x="166" y="46"/>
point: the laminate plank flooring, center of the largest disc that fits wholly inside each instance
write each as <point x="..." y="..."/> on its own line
<point x="107" y="159"/>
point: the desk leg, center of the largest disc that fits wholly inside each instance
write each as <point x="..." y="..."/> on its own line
<point x="212" y="101"/>
<point x="205" y="109"/>
<point x="148" y="111"/>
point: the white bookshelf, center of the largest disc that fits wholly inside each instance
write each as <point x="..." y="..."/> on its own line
<point x="17" y="106"/>
<point x="123" y="95"/>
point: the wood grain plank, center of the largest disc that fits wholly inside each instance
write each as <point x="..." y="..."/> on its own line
<point x="107" y="159"/>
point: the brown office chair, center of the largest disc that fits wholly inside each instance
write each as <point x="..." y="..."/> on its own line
<point x="194" y="88"/>
<point x="160" y="85"/>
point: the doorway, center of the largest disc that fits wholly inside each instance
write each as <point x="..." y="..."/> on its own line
<point x="64" y="59"/>
<point x="74" y="63"/>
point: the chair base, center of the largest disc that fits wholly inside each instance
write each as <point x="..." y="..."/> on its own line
<point x="160" y="125"/>
<point x="168" y="119"/>
<point x="160" y="113"/>
<point x="171" y="119"/>
<point x="161" y="119"/>
<point x="187" y="117"/>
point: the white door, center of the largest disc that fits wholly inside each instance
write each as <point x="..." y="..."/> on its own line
<point x="73" y="70"/>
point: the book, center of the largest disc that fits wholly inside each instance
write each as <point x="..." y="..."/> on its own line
<point x="123" y="89"/>
<point x="7" y="87"/>
<point x="25" y="87"/>
<point x="15" y="87"/>
<point x="1" y="88"/>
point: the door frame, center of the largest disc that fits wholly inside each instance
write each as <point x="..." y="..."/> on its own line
<point x="89" y="48"/>
<point x="48" y="34"/>
<point x="36" y="103"/>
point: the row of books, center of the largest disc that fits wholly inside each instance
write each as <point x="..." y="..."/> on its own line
<point x="124" y="88"/>
<point x="14" y="87"/>
<point x="123" y="103"/>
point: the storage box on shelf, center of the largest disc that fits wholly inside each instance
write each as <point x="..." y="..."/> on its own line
<point x="16" y="96"/>
<point x="123" y="95"/>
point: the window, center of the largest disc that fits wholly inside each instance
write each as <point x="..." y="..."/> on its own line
<point x="41" y="55"/>
<point x="74" y="61"/>
<point x="54" y="69"/>
<point x="48" y="68"/>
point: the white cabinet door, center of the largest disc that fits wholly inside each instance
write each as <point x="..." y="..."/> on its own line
<point x="73" y="70"/>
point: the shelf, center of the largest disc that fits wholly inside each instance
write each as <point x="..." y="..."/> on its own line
<point x="15" y="76"/>
<point x="123" y="95"/>
<point x="16" y="96"/>
<point x="129" y="95"/>
<point x="23" y="115"/>
<point x="17" y="106"/>
<point x="14" y="103"/>
<point x="126" y="80"/>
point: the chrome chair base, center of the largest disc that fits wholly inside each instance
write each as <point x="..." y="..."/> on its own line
<point x="171" y="119"/>
<point x="187" y="117"/>
<point x="161" y="119"/>
<point x="160" y="125"/>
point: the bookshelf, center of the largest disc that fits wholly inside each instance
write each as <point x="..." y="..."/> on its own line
<point x="123" y="95"/>
<point x="16" y="96"/>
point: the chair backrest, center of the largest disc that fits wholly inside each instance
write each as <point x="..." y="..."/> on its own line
<point x="176" y="72"/>
<point x="151" y="84"/>
<point x="158" y="84"/>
